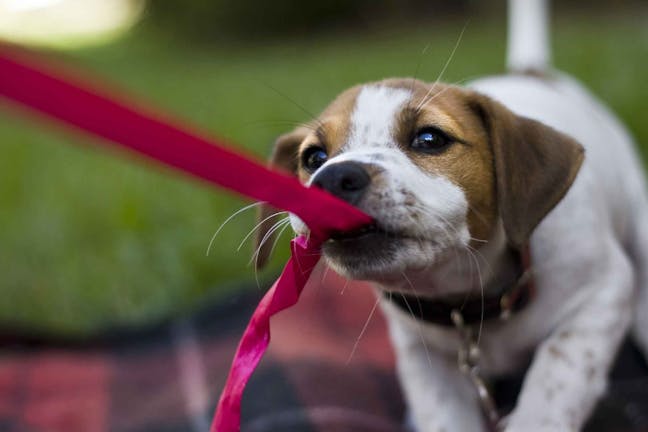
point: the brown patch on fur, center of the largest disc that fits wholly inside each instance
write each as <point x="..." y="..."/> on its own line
<point x="534" y="166"/>
<point x="332" y="126"/>
<point x="506" y="165"/>
<point x="555" y="351"/>
<point x="558" y="354"/>
<point x="565" y="334"/>
<point x="468" y="162"/>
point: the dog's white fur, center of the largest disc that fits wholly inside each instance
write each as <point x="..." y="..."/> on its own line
<point x="590" y="255"/>
<point x="590" y="264"/>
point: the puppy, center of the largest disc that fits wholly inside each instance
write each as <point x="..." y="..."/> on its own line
<point x="511" y="230"/>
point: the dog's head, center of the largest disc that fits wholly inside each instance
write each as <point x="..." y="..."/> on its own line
<point x="438" y="167"/>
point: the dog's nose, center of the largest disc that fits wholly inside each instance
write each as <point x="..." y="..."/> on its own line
<point x="346" y="180"/>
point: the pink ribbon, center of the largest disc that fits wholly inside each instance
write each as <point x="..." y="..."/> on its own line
<point x="283" y="294"/>
<point x="38" y="87"/>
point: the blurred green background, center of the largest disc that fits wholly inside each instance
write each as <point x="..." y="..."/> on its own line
<point x="89" y="240"/>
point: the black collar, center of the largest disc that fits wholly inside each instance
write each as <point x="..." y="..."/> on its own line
<point x="511" y="299"/>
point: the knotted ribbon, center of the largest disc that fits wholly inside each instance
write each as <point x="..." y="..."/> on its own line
<point x="40" y="87"/>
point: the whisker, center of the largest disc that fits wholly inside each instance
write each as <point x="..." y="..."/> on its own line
<point x="267" y="235"/>
<point x="477" y="213"/>
<point x="418" y="327"/>
<point x="445" y="67"/>
<point x="481" y="255"/>
<point x="416" y="71"/>
<point x="471" y="253"/>
<point x="430" y="97"/>
<point x="444" y="231"/>
<point x="255" y="256"/>
<point x="364" y="329"/>
<point x="447" y="223"/>
<point x="434" y="96"/>
<point x="239" y="211"/>
<point x="454" y="51"/>
<point x="481" y="287"/>
<point x="416" y="296"/>
<point x="278" y="237"/>
<point x="478" y="240"/>
<point x="298" y="105"/>
<point x="324" y="274"/>
<point x="346" y="284"/>
<point x="257" y="227"/>
<point x="279" y="123"/>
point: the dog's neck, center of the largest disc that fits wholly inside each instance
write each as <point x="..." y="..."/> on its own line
<point x="466" y="271"/>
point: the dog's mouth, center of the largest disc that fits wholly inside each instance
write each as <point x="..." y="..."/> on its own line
<point x="366" y="244"/>
<point x="377" y="252"/>
<point x="359" y="234"/>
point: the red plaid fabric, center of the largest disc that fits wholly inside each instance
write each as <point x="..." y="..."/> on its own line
<point x="318" y="376"/>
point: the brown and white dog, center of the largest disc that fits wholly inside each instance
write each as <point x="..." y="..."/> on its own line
<point x="462" y="182"/>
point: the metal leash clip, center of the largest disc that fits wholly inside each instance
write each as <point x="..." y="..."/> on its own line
<point x="468" y="362"/>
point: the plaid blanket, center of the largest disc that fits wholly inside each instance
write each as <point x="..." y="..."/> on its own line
<point x="327" y="371"/>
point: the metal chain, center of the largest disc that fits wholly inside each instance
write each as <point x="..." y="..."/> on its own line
<point x="468" y="362"/>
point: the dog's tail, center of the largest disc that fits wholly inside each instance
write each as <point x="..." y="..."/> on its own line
<point x="528" y="39"/>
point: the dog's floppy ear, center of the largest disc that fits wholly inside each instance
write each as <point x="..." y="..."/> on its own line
<point x="284" y="157"/>
<point x="534" y="166"/>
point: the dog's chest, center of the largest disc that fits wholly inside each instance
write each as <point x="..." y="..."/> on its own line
<point x="505" y="346"/>
<point x="500" y="351"/>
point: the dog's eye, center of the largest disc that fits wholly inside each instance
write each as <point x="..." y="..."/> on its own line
<point x="313" y="158"/>
<point x="430" y="140"/>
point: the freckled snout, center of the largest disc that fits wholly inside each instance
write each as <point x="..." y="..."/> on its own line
<point x="346" y="180"/>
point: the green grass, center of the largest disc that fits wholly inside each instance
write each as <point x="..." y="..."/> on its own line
<point x="88" y="239"/>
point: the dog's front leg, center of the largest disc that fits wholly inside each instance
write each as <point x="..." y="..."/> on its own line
<point x="439" y="397"/>
<point x="570" y="368"/>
